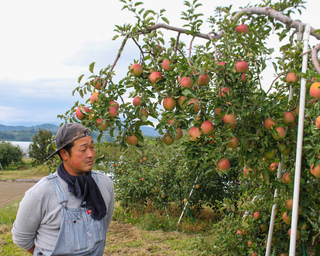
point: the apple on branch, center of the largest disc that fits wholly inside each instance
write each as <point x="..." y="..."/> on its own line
<point x="169" y="103"/>
<point x="155" y="77"/>
<point x="242" y="67"/>
<point x="288" y="117"/>
<point x="279" y="133"/>
<point x="242" y="29"/>
<point x="204" y="79"/>
<point x="206" y="127"/>
<point x="101" y="124"/>
<point x="315" y="90"/>
<point x="136" y="69"/>
<point x="166" y="65"/>
<point x="292" y="78"/>
<point x="94" y="97"/>
<point x="132" y="140"/>
<point x="80" y="112"/>
<point x="186" y="82"/>
<point x="194" y="134"/>
<point x="114" y="104"/>
<point x="136" y="101"/>
<point x="167" y="139"/>
<point x="268" y="123"/>
<point x="223" y="165"/>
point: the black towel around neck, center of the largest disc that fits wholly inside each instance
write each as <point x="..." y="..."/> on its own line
<point x="84" y="185"/>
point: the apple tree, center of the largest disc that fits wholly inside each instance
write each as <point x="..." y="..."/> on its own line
<point x="239" y="125"/>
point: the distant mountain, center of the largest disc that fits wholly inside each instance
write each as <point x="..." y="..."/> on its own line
<point x="24" y="133"/>
<point x="51" y="127"/>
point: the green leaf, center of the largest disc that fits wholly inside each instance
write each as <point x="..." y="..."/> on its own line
<point x="165" y="20"/>
<point x="91" y="67"/>
<point x="80" y="78"/>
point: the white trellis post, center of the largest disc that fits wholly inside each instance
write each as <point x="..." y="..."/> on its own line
<point x="295" y="206"/>
<point x="280" y="168"/>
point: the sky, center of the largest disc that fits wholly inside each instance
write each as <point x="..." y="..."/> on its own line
<point x="46" y="45"/>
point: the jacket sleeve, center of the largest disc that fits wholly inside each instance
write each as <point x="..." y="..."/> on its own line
<point x="28" y="219"/>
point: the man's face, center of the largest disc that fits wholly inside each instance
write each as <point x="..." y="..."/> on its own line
<point x="82" y="157"/>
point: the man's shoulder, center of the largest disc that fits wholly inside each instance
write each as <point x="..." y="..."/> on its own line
<point x="42" y="185"/>
<point x="101" y="176"/>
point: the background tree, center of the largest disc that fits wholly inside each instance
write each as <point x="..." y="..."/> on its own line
<point x="39" y="148"/>
<point x="9" y="154"/>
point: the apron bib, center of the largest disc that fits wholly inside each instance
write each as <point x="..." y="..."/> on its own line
<point x="79" y="234"/>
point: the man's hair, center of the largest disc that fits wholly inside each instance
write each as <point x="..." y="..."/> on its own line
<point x="67" y="148"/>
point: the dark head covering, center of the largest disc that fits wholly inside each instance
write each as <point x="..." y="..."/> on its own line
<point x="67" y="134"/>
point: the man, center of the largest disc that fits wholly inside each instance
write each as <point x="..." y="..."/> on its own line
<point x="69" y="211"/>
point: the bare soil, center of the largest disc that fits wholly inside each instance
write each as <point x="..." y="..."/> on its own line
<point x="12" y="190"/>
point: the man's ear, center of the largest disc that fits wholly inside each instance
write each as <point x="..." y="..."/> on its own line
<point x="63" y="154"/>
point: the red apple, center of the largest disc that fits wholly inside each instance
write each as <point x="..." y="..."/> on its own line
<point x="243" y="77"/>
<point x="286" y="177"/>
<point x="181" y="100"/>
<point x="194" y="134"/>
<point x="186" y="82"/>
<point x="136" y="101"/>
<point x="291" y="77"/>
<point x="222" y="63"/>
<point x="315" y="171"/>
<point x="297" y="234"/>
<point x="196" y="105"/>
<point x="114" y="104"/>
<point x="223" y="164"/>
<point x="98" y="82"/>
<point x="155" y="77"/>
<point x="229" y="119"/>
<point x="113" y="112"/>
<point x="217" y="111"/>
<point x="94" y="97"/>
<point x="144" y="112"/>
<point x="280" y="133"/>
<point x="80" y="112"/>
<point x="257" y="215"/>
<point x="204" y="79"/>
<point x="101" y="124"/>
<point x="132" y="140"/>
<point x="289" y="204"/>
<point x="268" y="123"/>
<point x="169" y="103"/>
<point x="136" y="69"/>
<point x="233" y="143"/>
<point x="167" y="139"/>
<point x="286" y="218"/>
<point x="242" y="66"/>
<point x="317" y="122"/>
<point x="274" y="167"/>
<point x="179" y="133"/>
<point x="224" y="91"/>
<point x="288" y="117"/>
<point x="206" y="127"/>
<point x="315" y="90"/>
<point x="166" y="65"/>
<point x="242" y="29"/>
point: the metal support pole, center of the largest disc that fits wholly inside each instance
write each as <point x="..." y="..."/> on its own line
<point x="294" y="220"/>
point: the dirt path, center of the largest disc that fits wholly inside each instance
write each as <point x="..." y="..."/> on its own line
<point x="10" y="191"/>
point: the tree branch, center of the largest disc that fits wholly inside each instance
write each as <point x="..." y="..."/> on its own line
<point x="315" y="59"/>
<point x="267" y="11"/>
